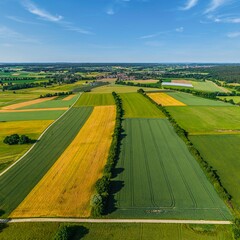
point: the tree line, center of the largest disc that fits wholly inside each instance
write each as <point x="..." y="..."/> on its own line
<point x="99" y="200"/>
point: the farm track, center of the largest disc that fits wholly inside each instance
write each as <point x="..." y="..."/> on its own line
<point x="18" y="181"/>
<point x="88" y="220"/>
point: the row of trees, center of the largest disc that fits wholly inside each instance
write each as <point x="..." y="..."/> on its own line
<point x="208" y="169"/>
<point x="56" y="94"/>
<point x="100" y="199"/>
<point x="148" y="85"/>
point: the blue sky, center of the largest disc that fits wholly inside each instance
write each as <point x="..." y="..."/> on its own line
<point x="119" y="31"/>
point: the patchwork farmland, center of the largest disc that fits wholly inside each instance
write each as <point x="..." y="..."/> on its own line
<point x="17" y="183"/>
<point x="84" y="159"/>
<point x="164" y="99"/>
<point x="113" y="158"/>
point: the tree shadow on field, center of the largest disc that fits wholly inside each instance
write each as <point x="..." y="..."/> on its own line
<point x="3" y="225"/>
<point x="115" y="187"/>
<point x="78" y="231"/>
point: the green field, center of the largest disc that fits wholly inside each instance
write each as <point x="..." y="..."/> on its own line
<point x="137" y="106"/>
<point x="38" y="115"/>
<point x="114" y="231"/>
<point x="159" y="178"/>
<point x="224" y="156"/>
<point x="53" y="103"/>
<point x="10" y="98"/>
<point x="236" y="99"/>
<point x="192" y="100"/>
<point x="207" y="86"/>
<point x="20" y="180"/>
<point x="95" y="99"/>
<point x="207" y="120"/>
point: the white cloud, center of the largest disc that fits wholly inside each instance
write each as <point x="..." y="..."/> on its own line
<point x="43" y="14"/>
<point x="233" y="34"/>
<point x="70" y="27"/>
<point x="13" y="36"/>
<point x="180" y="29"/>
<point x="20" y="20"/>
<point x="110" y="11"/>
<point x="32" y="8"/>
<point x="215" y="4"/>
<point x="150" y="36"/>
<point x="154" y="43"/>
<point x="189" y="4"/>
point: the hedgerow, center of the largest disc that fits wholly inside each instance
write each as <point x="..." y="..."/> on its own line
<point x="99" y="200"/>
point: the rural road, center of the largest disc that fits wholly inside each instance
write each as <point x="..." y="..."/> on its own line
<point x="80" y="220"/>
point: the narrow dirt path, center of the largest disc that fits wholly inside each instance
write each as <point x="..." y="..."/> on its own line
<point x="81" y="220"/>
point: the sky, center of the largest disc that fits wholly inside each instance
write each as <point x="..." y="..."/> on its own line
<point x="120" y="31"/>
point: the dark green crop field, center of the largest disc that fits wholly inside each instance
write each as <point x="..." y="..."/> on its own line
<point x="21" y="178"/>
<point x="223" y="153"/>
<point x="157" y="177"/>
<point x="118" y="231"/>
<point x="192" y="100"/>
<point x="24" y="116"/>
<point x="207" y="120"/>
<point x="95" y="99"/>
<point x="137" y="106"/>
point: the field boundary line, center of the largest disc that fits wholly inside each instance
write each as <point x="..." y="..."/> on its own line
<point x="25" y="154"/>
<point x="88" y="220"/>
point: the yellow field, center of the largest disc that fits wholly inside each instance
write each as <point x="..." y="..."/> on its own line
<point x="165" y="100"/>
<point x="29" y="128"/>
<point x="65" y="191"/>
<point x="34" y="110"/>
<point x="70" y="97"/>
<point x="28" y="103"/>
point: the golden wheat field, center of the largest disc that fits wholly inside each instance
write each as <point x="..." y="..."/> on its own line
<point x="28" y="103"/>
<point x="24" y="127"/>
<point x="29" y="128"/>
<point x="165" y="100"/>
<point x="68" y="186"/>
<point x="69" y="97"/>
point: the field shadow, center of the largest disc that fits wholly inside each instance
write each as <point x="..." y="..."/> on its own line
<point x="115" y="187"/>
<point x="2" y="212"/>
<point x="78" y="231"/>
<point x="3" y="226"/>
<point x="116" y="172"/>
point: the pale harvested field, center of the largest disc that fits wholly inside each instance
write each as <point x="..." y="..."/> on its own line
<point x="145" y="81"/>
<point x="34" y="110"/>
<point x="165" y="100"/>
<point x="181" y="81"/>
<point x="28" y="103"/>
<point x="67" y="188"/>
<point x="70" y="97"/>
